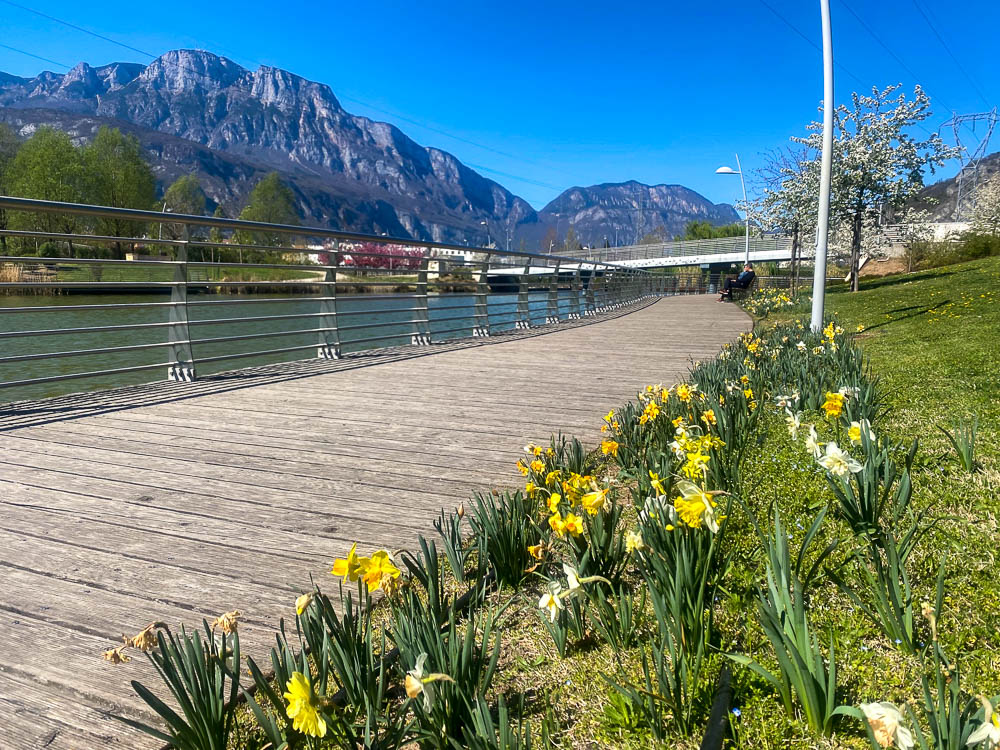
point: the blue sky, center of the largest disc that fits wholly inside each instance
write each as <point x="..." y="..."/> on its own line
<point x="545" y="95"/>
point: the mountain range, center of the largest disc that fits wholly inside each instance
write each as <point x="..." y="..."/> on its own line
<point x="196" y="112"/>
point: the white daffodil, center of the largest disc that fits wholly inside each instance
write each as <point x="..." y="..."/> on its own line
<point x="857" y="428"/>
<point x="678" y="449"/>
<point x="812" y="443"/>
<point x="793" y="421"/>
<point x="551" y="601"/>
<point x="837" y="462"/>
<point x="849" y="391"/>
<point x="783" y="402"/>
<point x="417" y="683"/>
<point x="572" y="579"/>
<point x="989" y="730"/>
<point x="801" y="346"/>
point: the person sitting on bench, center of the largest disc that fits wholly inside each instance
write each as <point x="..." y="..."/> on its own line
<point x="743" y="281"/>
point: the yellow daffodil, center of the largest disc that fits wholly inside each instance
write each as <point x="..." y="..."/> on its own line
<point x="748" y="393"/>
<point x="380" y="571"/>
<point x="834" y="404"/>
<point x="530" y="489"/>
<point x="860" y="328"/>
<point x="633" y="541"/>
<point x="651" y="412"/>
<point x="302" y="707"/>
<point x="684" y="392"/>
<point x="695" y="506"/>
<point x="557" y="524"/>
<point x="537" y="466"/>
<point x="656" y="483"/>
<point x="537" y="551"/>
<point x="856" y="429"/>
<point x="350" y="567"/>
<point x="553" y="502"/>
<point x="417" y="683"/>
<point x="302" y="603"/>
<point x="609" y="417"/>
<point x="573" y="524"/>
<point x="227" y="622"/>
<point x="745" y="380"/>
<point x="609" y="447"/>
<point x="553" y="477"/>
<point x="708" y="417"/>
<point x="677" y="422"/>
<point x="593" y="502"/>
<point x="522" y="467"/>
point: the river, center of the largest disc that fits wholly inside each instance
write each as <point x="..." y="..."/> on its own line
<point x="370" y="315"/>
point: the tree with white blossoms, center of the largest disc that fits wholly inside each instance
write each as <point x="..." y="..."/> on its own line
<point x="985" y="217"/>
<point x="789" y="197"/>
<point x="878" y="165"/>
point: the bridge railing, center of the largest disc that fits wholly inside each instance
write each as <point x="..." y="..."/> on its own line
<point x="687" y="249"/>
<point x="106" y="297"/>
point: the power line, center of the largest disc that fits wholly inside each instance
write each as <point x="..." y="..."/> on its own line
<point x="345" y="98"/>
<point x="886" y="47"/>
<point x="37" y="57"/>
<point x="950" y="53"/>
<point x="77" y="28"/>
<point x="808" y="41"/>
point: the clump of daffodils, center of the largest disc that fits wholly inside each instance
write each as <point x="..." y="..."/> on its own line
<point x="377" y="571"/>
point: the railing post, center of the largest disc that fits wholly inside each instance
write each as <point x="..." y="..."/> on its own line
<point x="590" y="308"/>
<point x="601" y="292"/>
<point x="552" y="311"/>
<point x="481" y="314"/>
<point x="421" y="320"/>
<point x="574" y="300"/>
<point x="179" y="335"/>
<point x="523" y="301"/>
<point x="329" y="334"/>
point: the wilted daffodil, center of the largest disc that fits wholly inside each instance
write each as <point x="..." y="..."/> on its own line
<point x="145" y="639"/>
<point x="227" y="622"/>
<point x="302" y="707"/>
<point x="117" y="655"/>
<point x="837" y="462"/>
<point x="302" y="603"/>
<point x="417" y="683"/>
<point x="886" y="722"/>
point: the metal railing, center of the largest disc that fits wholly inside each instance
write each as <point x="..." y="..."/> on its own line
<point x="192" y="295"/>
<point x="778" y="246"/>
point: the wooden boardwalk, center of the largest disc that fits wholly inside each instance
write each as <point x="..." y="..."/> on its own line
<point x="180" y="501"/>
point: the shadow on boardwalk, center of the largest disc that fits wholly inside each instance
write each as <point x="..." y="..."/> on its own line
<point x="18" y="414"/>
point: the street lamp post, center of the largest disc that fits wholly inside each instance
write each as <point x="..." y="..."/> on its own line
<point x="746" y="205"/>
<point x="823" y="220"/>
<point x="486" y="228"/>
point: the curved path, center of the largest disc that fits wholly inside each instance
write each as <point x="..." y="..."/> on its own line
<point x="180" y="501"/>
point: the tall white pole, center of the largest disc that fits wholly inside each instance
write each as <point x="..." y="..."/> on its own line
<point x="746" y="208"/>
<point x="823" y="221"/>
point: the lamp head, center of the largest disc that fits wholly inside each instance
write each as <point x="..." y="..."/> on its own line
<point x="726" y="170"/>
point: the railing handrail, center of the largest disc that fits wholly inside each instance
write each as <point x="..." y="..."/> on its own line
<point x="687" y="248"/>
<point x="12" y="203"/>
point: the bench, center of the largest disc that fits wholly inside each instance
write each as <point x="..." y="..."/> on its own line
<point x="738" y="292"/>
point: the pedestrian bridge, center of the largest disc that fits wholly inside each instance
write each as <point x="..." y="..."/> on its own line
<point x="182" y="488"/>
<point x="715" y="252"/>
